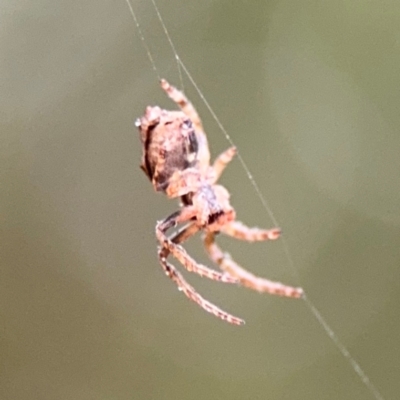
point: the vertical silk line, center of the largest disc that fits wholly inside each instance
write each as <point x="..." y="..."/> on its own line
<point x="171" y="43"/>
<point x="313" y="309"/>
<point x="141" y="36"/>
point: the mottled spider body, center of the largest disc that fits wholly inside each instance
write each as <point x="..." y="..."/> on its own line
<point x="176" y="159"/>
<point x="169" y="144"/>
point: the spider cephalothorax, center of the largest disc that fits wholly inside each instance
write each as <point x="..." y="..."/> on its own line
<point x="176" y="159"/>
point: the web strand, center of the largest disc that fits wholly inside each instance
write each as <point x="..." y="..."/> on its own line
<point x="142" y="39"/>
<point x="171" y="43"/>
<point x="343" y="350"/>
<point x="313" y="309"/>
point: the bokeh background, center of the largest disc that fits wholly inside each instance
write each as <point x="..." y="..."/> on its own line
<point x="308" y="91"/>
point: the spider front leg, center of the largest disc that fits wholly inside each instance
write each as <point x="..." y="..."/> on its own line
<point x="172" y="246"/>
<point x="245" y="277"/>
<point x="222" y="161"/>
<point x="187" y="107"/>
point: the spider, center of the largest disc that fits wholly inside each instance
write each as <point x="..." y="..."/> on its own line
<point x="176" y="159"/>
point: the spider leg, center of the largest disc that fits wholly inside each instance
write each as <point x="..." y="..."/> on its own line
<point x="185" y="233"/>
<point x="179" y="237"/>
<point x="182" y="182"/>
<point x="246" y="278"/>
<point x="169" y="246"/>
<point x="240" y="231"/>
<point x="194" y="296"/>
<point x="222" y="161"/>
<point x="173" y="274"/>
<point x="183" y="102"/>
<point x="187" y="107"/>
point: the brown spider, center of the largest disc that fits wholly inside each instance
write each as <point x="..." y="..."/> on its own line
<point x="176" y="159"/>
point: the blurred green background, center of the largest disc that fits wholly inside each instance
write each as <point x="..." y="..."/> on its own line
<point x="308" y="91"/>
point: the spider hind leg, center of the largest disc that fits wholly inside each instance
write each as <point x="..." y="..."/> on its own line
<point x="191" y="294"/>
<point x="238" y="230"/>
<point x="246" y="278"/>
<point x="172" y="246"/>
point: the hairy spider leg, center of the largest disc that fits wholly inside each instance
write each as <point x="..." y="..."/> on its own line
<point x="184" y="234"/>
<point x="246" y="278"/>
<point x="222" y="161"/>
<point x="187" y="107"/>
<point x="194" y="296"/>
<point x="182" y="256"/>
<point x="238" y="230"/>
<point x="181" y="236"/>
<point x="172" y="273"/>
